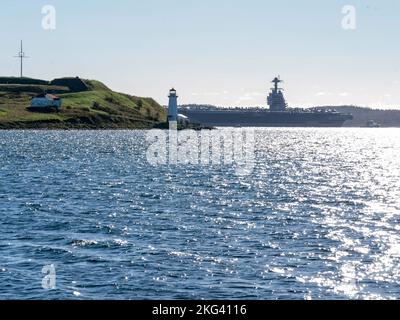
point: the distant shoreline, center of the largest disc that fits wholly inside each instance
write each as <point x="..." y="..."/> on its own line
<point x="86" y="105"/>
<point x="41" y="128"/>
<point x="66" y="125"/>
<point x="90" y="105"/>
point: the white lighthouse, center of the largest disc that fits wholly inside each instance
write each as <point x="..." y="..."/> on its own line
<point x="173" y="110"/>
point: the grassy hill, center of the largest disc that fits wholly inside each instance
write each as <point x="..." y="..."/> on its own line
<point x="87" y="104"/>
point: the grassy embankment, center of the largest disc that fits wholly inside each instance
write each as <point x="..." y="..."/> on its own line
<point x="97" y="107"/>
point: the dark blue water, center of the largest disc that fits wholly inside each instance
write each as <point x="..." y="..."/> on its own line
<point x="318" y="218"/>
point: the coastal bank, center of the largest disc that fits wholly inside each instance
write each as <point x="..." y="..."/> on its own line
<point x="86" y="104"/>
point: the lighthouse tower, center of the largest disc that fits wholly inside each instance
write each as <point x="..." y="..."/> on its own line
<point x="173" y="110"/>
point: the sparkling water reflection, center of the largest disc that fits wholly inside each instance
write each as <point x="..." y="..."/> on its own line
<point x="317" y="219"/>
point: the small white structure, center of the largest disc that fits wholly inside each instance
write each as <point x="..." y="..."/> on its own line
<point x="182" y="119"/>
<point x="45" y="101"/>
<point x="173" y="110"/>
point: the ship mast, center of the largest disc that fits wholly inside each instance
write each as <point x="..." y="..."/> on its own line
<point x="275" y="100"/>
<point x="276" y="83"/>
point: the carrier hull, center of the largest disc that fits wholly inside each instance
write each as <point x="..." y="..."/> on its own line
<point x="232" y="118"/>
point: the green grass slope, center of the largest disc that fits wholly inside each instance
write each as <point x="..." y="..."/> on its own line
<point x="98" y="108"/>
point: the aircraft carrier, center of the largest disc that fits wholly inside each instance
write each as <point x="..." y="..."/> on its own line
<point x="278" y="115"/>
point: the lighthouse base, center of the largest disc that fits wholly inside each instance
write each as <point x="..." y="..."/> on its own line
<point x="173" y="125"/>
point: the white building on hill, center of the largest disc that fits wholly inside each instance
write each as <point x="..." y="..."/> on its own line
<point x="45" y="101"/>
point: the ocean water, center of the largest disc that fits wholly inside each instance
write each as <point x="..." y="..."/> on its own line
<point x="317" y="218"/>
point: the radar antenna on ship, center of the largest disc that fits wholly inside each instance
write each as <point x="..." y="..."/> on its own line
<point x="276" y="83"/>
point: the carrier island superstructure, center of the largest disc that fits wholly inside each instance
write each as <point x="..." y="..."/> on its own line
<point x="278" y="114"/>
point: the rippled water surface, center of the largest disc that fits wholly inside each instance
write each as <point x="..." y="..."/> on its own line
<point x="318" y="218"/>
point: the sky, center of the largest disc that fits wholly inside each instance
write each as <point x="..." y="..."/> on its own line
<point x="223" y="52"/>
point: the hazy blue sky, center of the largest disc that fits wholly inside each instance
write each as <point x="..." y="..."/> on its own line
<point x="222" y="52"/>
